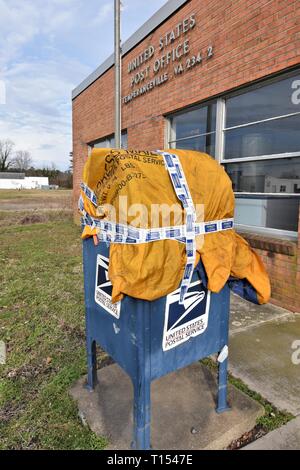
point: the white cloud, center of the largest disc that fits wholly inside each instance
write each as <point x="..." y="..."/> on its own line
<point x="2" y="92"/>
<point x="37" y="115"/>
<point x="47" y="48"/>
<point x="105" y="12"/>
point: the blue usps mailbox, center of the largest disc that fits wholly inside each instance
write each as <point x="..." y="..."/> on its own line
<point x="151" y="339"/>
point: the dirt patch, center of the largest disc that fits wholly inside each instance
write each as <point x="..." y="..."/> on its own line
<point x="10" y="411"/>
<point x="250" y="436"/>
<point x="32" y="219"/>
<point x="30" y="371"/>
<point x="73" y="331"/>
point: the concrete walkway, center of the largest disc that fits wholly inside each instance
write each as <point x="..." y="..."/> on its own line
<point x="261" y="352"/>
<point x="264" y="352"/>
<point x="285" y="438"/>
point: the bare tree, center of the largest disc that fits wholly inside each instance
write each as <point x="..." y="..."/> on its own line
<point x="6" y="154"/>
<point x="22" y="160"/>
<point x="71" y="163"/>
<point x="53" y="167"/>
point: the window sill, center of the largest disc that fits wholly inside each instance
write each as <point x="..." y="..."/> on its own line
<point x="274" y="245"/>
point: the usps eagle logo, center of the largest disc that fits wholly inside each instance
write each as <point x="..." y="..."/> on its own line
<point x="103" y="288"/>
<point x="187" y="320"/>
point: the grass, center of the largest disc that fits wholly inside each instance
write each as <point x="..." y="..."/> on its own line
<point x="17" y="202"/>
<point x="26" y="217"/>
<point x="14" y="194"/>
<point x="273" y="417"/>
<point x="42" y="324"/>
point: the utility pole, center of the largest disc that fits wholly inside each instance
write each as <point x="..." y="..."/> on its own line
<point x="117" y="74"/>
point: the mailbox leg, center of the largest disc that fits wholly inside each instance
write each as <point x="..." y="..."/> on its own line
<point x="141" y="414"/>
<point x="222" y="387"/>
<point x="92" y="364"/>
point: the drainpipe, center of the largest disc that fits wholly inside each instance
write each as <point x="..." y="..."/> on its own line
<point x="117" y="75"/>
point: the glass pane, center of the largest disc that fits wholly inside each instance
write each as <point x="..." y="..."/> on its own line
<point x="267" y="176"/>
<point x="109" y="142"/>
<point x="198" y="121"/>
<point x="124" y="140"/>
<point x="266" y="138"/>
<point x="275" y="213"/>
<point x="103" y="143"/>
<point x="268" y="101"/>
<point x="205" y="143"/>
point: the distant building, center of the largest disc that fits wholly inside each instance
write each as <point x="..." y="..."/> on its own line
<point x="20" y="181"/>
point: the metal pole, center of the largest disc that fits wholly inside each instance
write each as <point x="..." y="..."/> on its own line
<point x="117" y="75"/>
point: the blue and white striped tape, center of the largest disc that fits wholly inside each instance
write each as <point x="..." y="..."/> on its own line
<point x="113" y="232"/>
<point x="89" y="194"/>
<point x="117" y="231"/>
<point x="182" y="192"/>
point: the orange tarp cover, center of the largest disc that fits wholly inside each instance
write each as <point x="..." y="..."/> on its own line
<point x="151" y="270"/>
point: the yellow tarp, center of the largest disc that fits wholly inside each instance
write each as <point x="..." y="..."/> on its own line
<point x="151" y="270"/>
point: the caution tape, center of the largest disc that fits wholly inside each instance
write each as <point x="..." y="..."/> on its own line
<point x="182" y="192"/>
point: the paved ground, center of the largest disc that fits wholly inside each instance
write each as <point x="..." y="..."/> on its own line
<point x="245" y="315"/>
<point x="285" y="438"/>
<point x="262" y="342"/>
<point x="181" y="401"/>
<point x="261" y="349"/>
<point x="265" y="353"/>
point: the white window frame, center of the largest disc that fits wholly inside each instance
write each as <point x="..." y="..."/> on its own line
<point x="220" y="147"/>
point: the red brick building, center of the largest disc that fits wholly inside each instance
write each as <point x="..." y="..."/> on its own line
<point x="221" y="77"/>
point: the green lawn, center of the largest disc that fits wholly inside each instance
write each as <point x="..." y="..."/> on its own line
<point x="34" y="193"/>
<point x="42" y="324"/>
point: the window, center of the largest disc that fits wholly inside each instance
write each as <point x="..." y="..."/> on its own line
<point x="263" y="102"/>
<point x="267" y="213"/>
<point x="276" y="136"/>
<point x="255" y="134"/>
<point x="109" y="142"/>
<point x="265" y="176"/>
<point x="263" y="121"/>
<point x="194" y="129"/>
<point x="262" y="140"/>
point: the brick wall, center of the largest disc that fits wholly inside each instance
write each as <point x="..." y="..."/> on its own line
<point x="282" y="261"/>
<point x="251" y="38"/>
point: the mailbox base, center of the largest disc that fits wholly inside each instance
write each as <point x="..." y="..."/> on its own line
<point x="182" y="409"/>
<point x="149" y="340"/>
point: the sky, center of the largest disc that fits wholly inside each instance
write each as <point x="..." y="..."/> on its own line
<point x="47" y="47"/>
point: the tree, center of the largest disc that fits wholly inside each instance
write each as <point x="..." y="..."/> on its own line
<point x="71" y="163"/>
<point x="22" y="160"/>
<point x="6" y="154"/>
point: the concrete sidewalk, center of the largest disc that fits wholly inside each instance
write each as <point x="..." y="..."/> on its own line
<point x="261" y="351"/>
<point x="284" y="438"/>
<point x="264" y="349"/>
